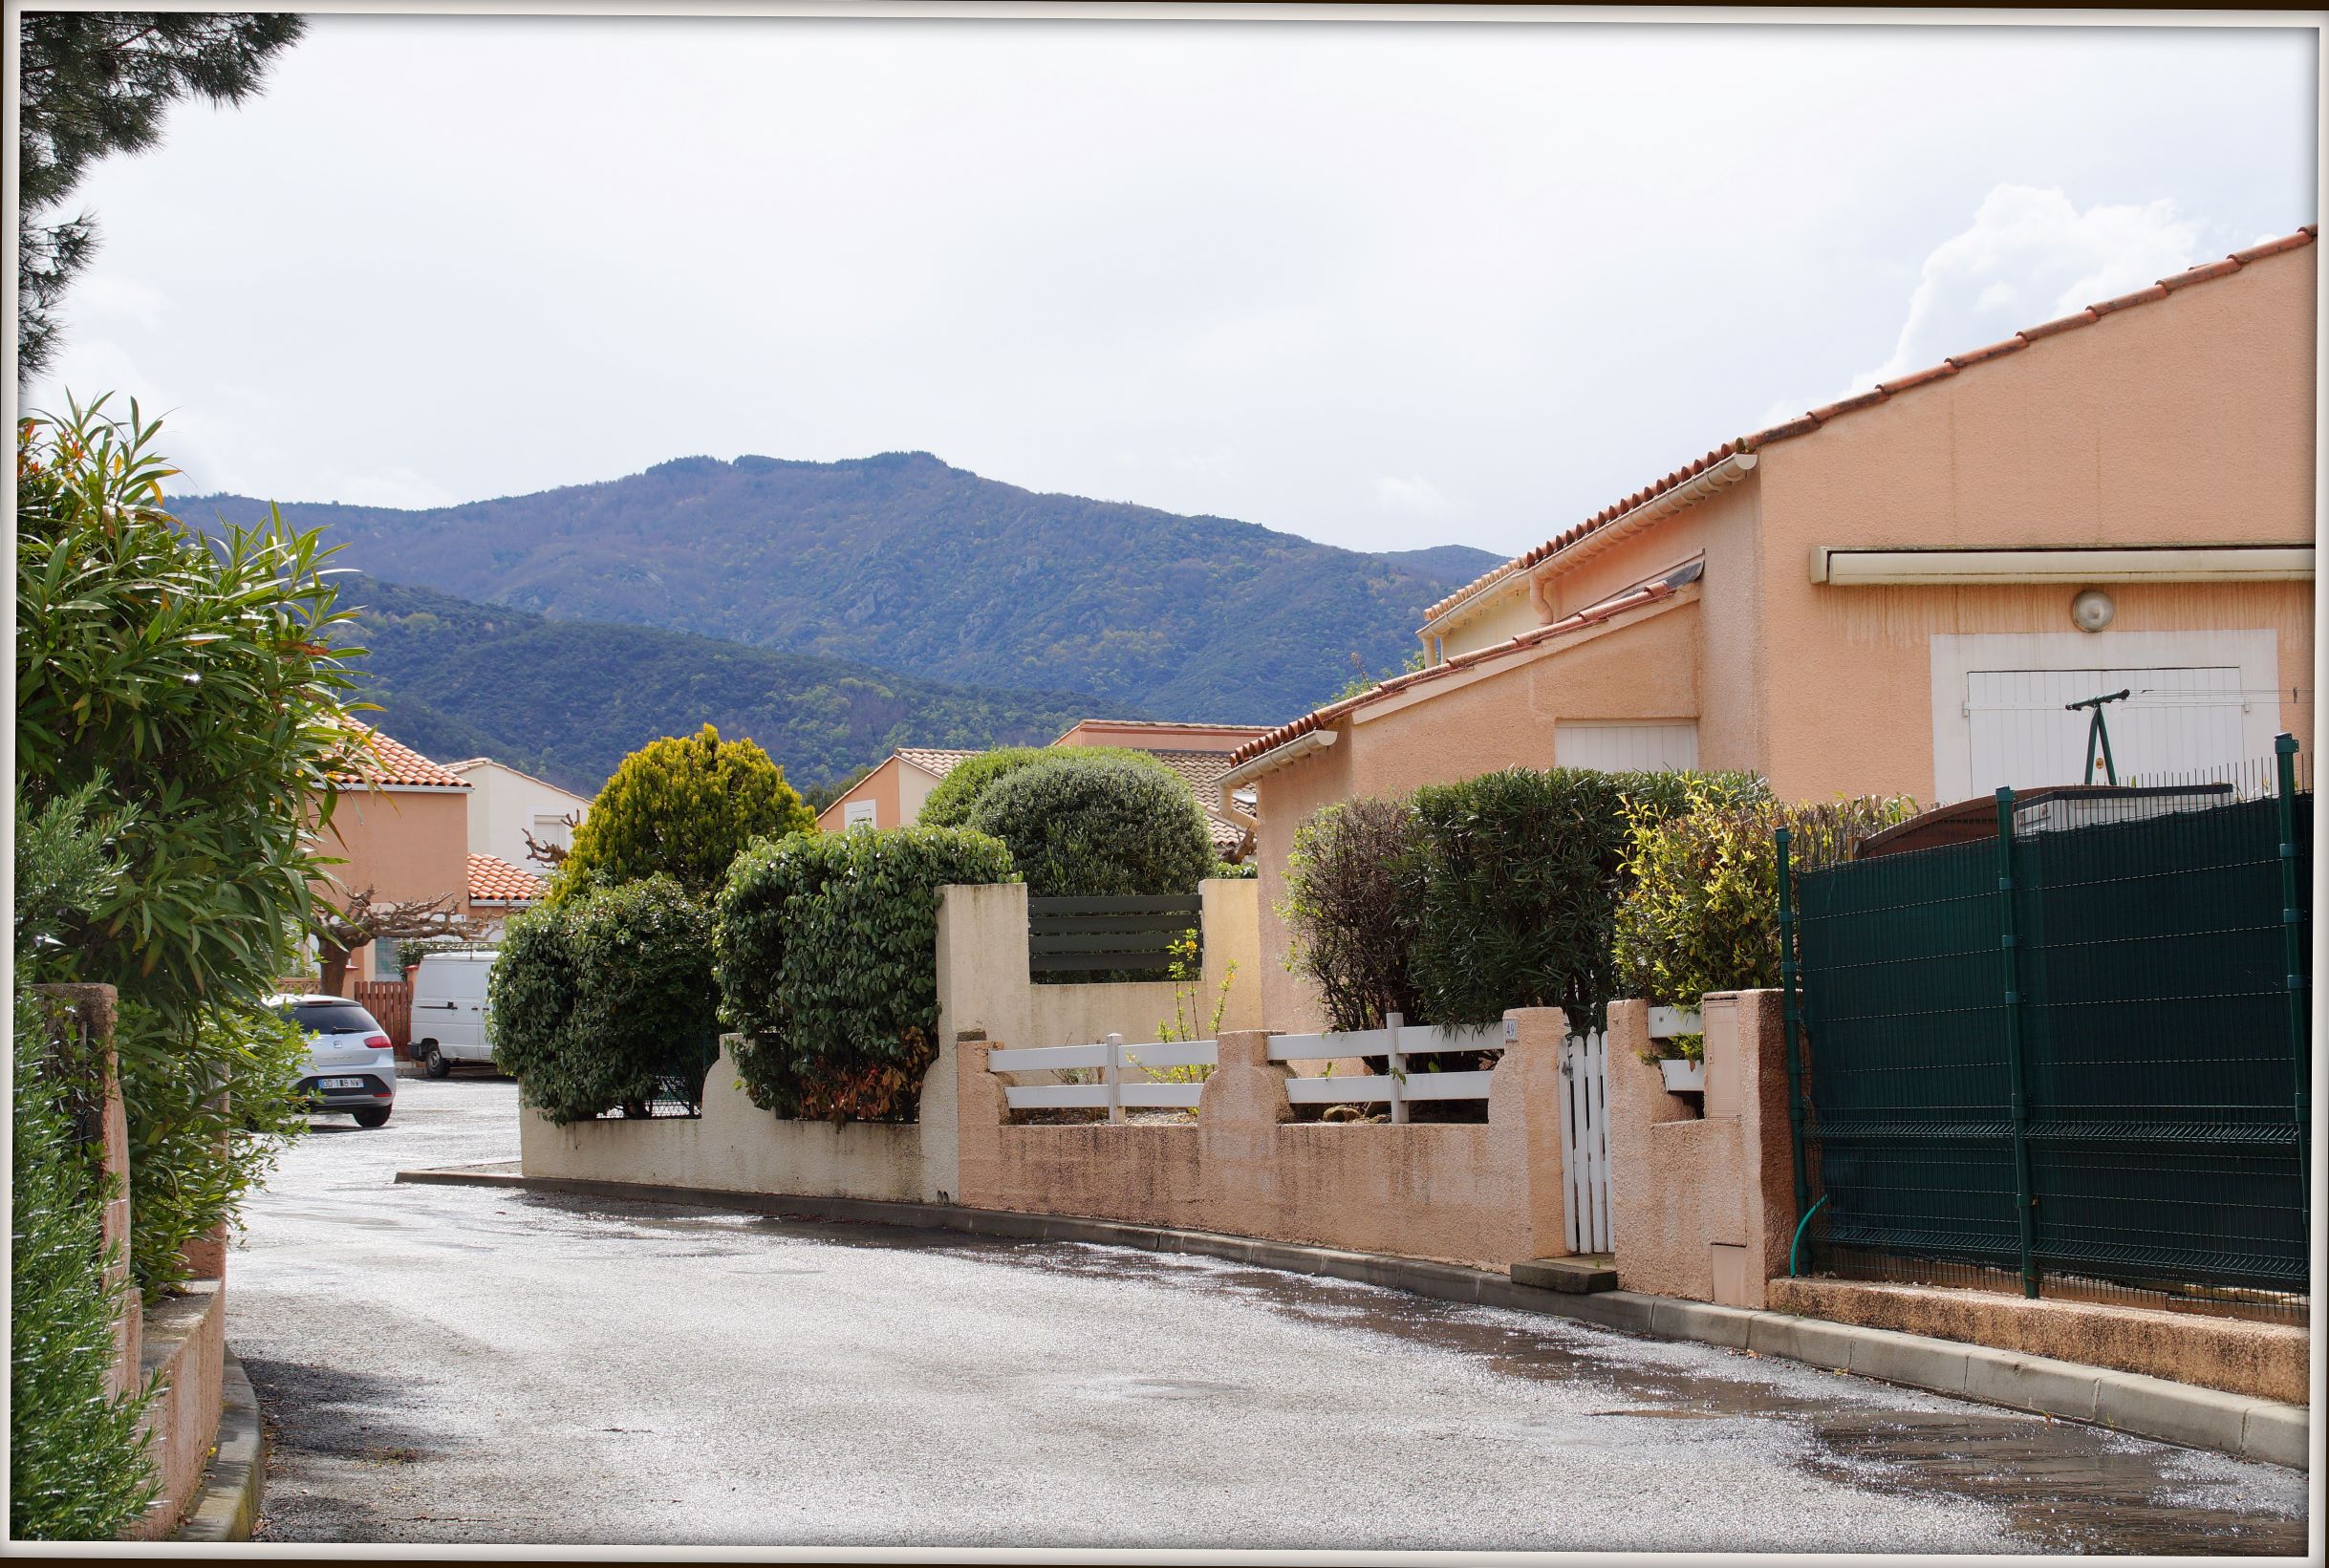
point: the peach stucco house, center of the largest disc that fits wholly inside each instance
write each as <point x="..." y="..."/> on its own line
<point x="402" y="827"/>
<point x="1878" y="596"/>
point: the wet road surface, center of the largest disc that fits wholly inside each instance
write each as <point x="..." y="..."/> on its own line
<point x="454" y="1365"/>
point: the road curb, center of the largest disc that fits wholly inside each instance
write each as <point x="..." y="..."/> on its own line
<point x="2238" y="1425"/>
<point x="235" y="1483"/>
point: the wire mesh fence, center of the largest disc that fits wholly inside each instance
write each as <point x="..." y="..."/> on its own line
<point x="2071" y="1057"/>
<point x="677" y="1093"/>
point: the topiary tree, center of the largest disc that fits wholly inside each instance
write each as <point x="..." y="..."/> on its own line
<point x="1520" y="873"/>
<point x="607" y="1001"/>
<point x="949" y="804"/>
<point x="827" y="947"/>
<point x="683" y="808"/>
<point x="1700" y="910"/>
<point x="1350" y="909"/>
<point x="1080" y="826"/>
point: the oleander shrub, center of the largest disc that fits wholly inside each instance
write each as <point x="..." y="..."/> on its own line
<point x="77" y="1462"/>
<point x="950" y="802"/>
<point x="682" y="808"/>
<point x="1700" y="911"/>
<point x="826" y="953"/>
<point x="607" y="1001"/>
<point x="1350" y="907"/>
<point x="1519" y="875"/>
<point x="1079" y="825"/>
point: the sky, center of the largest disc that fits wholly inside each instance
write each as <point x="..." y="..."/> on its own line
<point x="1383" y="284"/>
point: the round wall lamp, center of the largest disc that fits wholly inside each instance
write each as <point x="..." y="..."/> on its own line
<point x="2092" y="611"/>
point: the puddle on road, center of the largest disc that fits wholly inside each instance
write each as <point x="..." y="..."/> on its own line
<point x="2061" y="1485"/>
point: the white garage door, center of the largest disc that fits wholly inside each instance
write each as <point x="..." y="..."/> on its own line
<point x="2176" y="720"/>
<point x="1625" y="746"/>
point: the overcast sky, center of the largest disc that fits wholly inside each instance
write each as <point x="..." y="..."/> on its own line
<point x="1384" y="285"/>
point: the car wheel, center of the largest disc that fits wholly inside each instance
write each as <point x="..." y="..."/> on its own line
<point x="373" y="1116"/>
<point x="433" y="1062"/>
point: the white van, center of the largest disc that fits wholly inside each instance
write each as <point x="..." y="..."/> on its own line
<point x="448" y="1024"/>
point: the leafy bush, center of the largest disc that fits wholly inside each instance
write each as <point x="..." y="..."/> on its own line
<point x="949" y="804"/>
<point x="1520" y="875"/>
<point x="683" y="808"/>
<point x="78" y="1467"/>
<point x="597" y="1001"/>
<point x="1097" y="827"/>
<point x="827" y="961"/>
<point x="1701" y="910"/>
<point x="1239" y="870"/>
<point x="194" y="679"/>
<point x="209" y="1116"/>
<point x="1350" y="909"/>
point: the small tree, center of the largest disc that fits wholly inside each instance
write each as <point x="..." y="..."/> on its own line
<point x="1351" y="908"/>
<point x="683" y="808"/>
<point x="1098" y="827"/>
<point x="364" y="919"/>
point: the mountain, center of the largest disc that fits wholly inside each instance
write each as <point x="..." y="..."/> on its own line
<point x="568" y="699"/>
<point x="1450" y="565"/>
<point x="904" y="563"/>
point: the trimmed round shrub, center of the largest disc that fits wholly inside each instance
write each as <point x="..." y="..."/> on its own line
<point x="1098" y="828"/>
<point x="607" y="1001"/>
<point x="1701" y="910"/>
<point x="1521" y="873"/>
<point x="683" y="808"/>
<point x="949" y="804"/>
<point x="1350" y="909"/>
<point x="827" y="947"/>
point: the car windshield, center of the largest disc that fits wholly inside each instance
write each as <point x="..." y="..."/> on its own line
<point x="330" y="1018"/>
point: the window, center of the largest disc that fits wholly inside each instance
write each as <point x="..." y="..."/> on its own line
<point x="552" y="829"/>
<point x="1623" y="746"/>
<point x="858" y="814"/>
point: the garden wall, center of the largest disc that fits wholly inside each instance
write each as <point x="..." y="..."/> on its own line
<point x="1488" y="1196"/>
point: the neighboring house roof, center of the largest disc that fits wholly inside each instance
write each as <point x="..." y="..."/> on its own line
<point x="1633" y="598"/>
<point x="392" y="764"/>
<point x="935" y="761"/>
<point x="1882" y="393"/>
<point x="493" y="880"/>
<point x="1162" y="729"/>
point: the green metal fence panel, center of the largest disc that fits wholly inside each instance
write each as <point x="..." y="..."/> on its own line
<point x="2145" y="960"/>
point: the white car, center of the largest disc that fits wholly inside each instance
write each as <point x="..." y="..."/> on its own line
<point x="450" y="1011"/>
<point x="352" y="1063"/>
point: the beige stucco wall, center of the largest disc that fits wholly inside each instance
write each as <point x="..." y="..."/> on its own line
<point x="736" y="1146"/>
<point x="881" y="787"/>
<point x="503" y="803"/>
<point x="1702" y="1205"/>
<point x="1485" y="1195"/>
<point x="1502" y="611"/>
<point x="402" y="843"/>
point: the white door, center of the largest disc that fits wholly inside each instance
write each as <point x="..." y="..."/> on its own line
<point x="2175" y="720"/>
<point x="1584" y="1142"/>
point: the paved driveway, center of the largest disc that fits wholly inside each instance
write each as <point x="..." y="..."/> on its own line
<point x="468" y="1364"/>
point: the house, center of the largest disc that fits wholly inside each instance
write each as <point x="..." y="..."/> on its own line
<point x="400" y="829"/>
<point x="497" y="891"/>
<point x="1899" y="591"/>
<point x="892" y="794"/>
<point x="506" y="804"/>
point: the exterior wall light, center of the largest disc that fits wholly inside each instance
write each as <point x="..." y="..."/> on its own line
<point x="2092" y="611"/>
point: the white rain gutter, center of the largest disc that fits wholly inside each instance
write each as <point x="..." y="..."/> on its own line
<point x="1277" y="756"/>
<point x="1844" y="567"/>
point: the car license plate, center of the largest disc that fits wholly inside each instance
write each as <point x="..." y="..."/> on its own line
<point x="341" y="1083"/>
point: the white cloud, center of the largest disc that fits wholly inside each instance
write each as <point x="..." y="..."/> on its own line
<point x="2029" y="247"/>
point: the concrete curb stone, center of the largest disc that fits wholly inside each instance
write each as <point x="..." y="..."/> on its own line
<point x="235" y="1483"/>
<point x="2145" y="1406"/>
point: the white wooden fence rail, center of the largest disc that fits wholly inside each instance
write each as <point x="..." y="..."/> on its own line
<point x="1584" y="1068"/>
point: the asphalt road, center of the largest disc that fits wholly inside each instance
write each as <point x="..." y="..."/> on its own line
<point x="460" y="1365"/>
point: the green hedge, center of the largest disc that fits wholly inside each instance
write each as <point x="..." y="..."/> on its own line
<point x="1701" y="909"/>
<point x="599" y="1001"/>
<point x="826" y="951"/>
<point x="78" y="1467"/>
<point x="949" y="804"/>
<point x="1098" y="828"/>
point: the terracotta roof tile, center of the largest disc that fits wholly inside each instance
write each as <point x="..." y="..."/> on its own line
<point x="1817" y="417"/>
<point x="377" y="759"/>
<point x="933" y="759"/>
<point x="493" y="880"/>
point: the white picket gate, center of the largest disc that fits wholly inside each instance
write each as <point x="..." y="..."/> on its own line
<point x="1585" y="1130"/>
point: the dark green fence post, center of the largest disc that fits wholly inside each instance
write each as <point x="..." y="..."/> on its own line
<point x="1787" y="1012"/>
<point x="2292" y="945"/>
<point x="2016" y="1100"/>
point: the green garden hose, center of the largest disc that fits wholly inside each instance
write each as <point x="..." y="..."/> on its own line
<point x="1796" y="1245"/>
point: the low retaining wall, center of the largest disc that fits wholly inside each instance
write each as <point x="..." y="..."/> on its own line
<point x="2269" y="1361"/>
<point x="736" y="1147"/>
<point x="185" y="1343"/>
<point x="1487" y="1195"/>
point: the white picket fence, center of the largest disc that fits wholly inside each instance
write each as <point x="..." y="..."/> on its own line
<point x="1584" y="1063"/>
